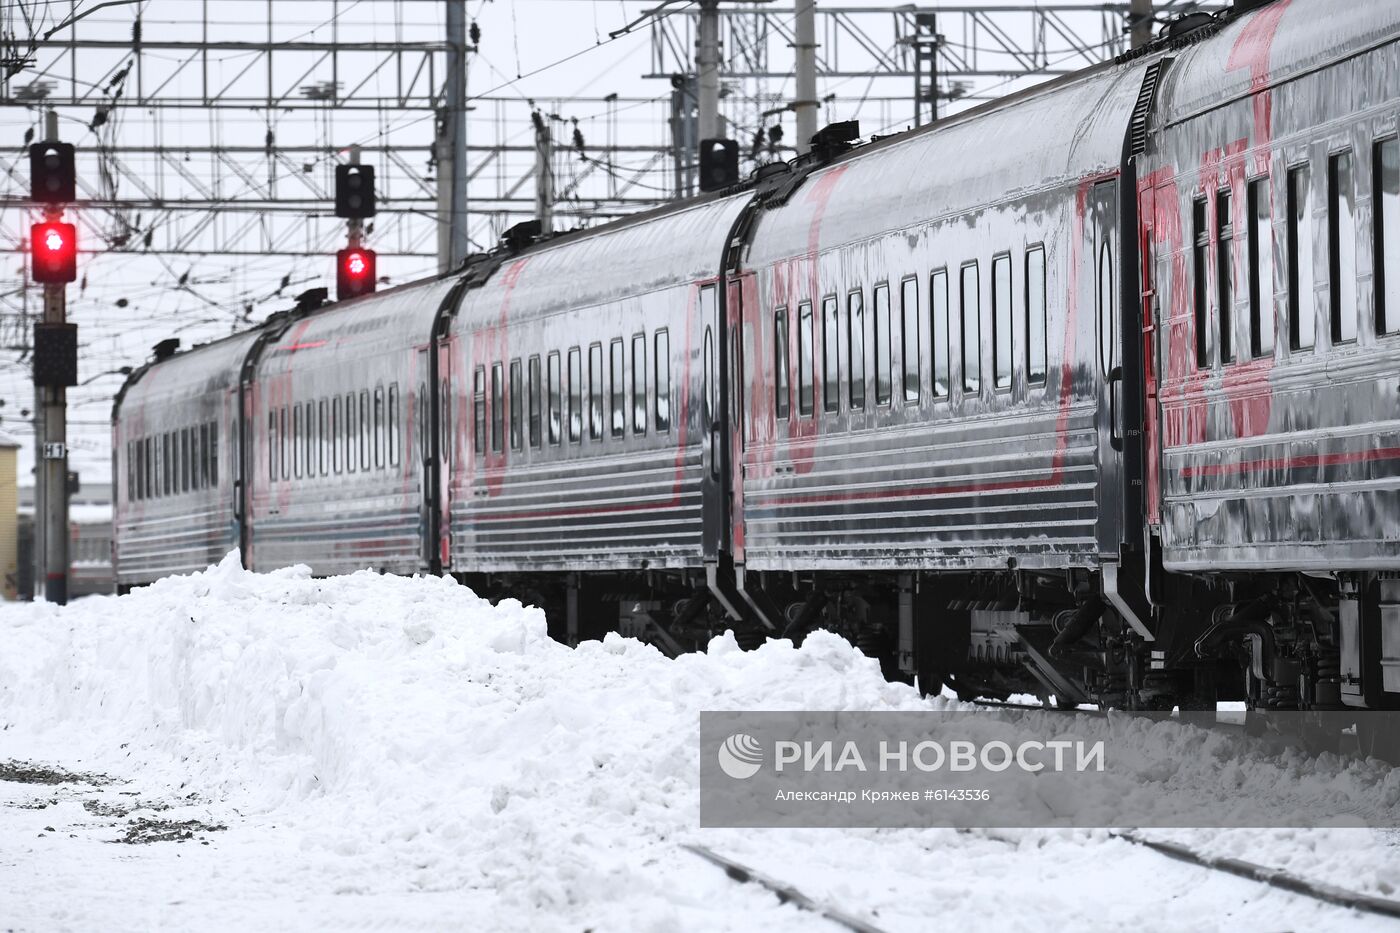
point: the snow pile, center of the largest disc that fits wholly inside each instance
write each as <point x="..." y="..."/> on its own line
<point x="414" y="738"/>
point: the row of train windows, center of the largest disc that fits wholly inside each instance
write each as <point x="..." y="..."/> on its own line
<point x="903" y="331"/>
<point x="533" y="407"/>
<point x="344" y="434"/>
<point x="1342" y="227"/>
<point x="173" y="463"/>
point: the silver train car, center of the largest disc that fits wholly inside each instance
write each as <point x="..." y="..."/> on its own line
<point x="1108" y="417"/>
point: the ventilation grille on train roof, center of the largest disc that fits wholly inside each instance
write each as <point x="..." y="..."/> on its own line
<point x="1137" y="129"/>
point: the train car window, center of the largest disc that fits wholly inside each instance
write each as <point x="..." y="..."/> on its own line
<point x="1036" y="347"/>
<point x="310" y="442"/>
<point x="1386" y="216"/>
<point x="1302" y="314"/>
<point x="149" y="470"/>
<point x="381" y="423"/>
<point x="201" y="440"/>
<point x="782" y="395"/>
<point x="575" y="395"/>
<point x="145" y="452"/>
<point x="185" y="461"/>
<point x="364" y="430"/>
<point x="1341" y="236"/>
<point x="909" y="312"/>
<point x="555" y="397"/>
<point x="639" y="384"/>
<point x="130" y="474"/>
<point x="709" y="296"/>
<point x="532" y="376"/>
<point x="855" y="348"/>
<point x="445" y="414"/>
<point x="617" y="402"/>
<point x="351" y="434"/>
<point x="806" y="398"/>
<point x="298" y="432"/>
<point x="213" y="450"/>
<point x="884" y="343"/>
<point x="272" y="445"/>
<point x="322" y="437"/>
<point x="514" y="403"/>
<point x="939" y="324"/>
<point x="1225" y="273"/>
<point x="1200" y="255"/>
<point x="337" y="419"/>
<point x="498" y="411"/>
<point x="1001" y="322"/>
<point x="705" y="380"/>
<point x="831" y="355"/>
<point x="595" y="391"/>
<point x="393" y="425"/>
<point x="1108" y="308"/>
<point x="663" y="380"/>
<point x="971" y="330"/>
<point x="479" y="409"/>
<point x="1261" y="269"/>
<point x="282" y="442"/>
<point x="166" y="474"/>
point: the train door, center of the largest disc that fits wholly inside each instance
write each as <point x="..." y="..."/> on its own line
<point x="424" y="455"/>
<point x="1102" y="246"/>
<point x="446" y="412"/>
<point x="714" y="486"/>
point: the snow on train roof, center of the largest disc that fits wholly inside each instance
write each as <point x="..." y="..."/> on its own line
<point x="211" y="367"/>
<point x="401" y="317"/>
<point x="630" y="258"/>
<point x="1271" y="45"/>
<point x="1065" y="131"/>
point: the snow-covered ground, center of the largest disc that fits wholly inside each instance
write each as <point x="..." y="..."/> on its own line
<point x="390" y="753"/>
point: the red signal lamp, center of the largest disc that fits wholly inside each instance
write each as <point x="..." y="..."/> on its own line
<point x="354" y="273"/>
<point x="55" y="249"/>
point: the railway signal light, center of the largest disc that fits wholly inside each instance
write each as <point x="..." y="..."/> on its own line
<point x="354" y="273"/>
<point x="55" y="246"/>
<point x="354" y="191"/>
<point x="719" y="164"/>
<point x="52" y="179"/>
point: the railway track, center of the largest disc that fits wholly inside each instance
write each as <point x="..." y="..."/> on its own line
<point x="1273" y="877"/>
<point x="787" y="893"/>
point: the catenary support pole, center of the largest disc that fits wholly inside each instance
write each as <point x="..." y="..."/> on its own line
<point x="804" y="104"/>
<point x="707" y="69"/>
<point x="455" y="133"/>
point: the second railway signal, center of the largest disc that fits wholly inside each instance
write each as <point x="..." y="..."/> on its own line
<point x="354" y="191"/>
<point x="55" y="247"/>
<point x="354" y="273"/>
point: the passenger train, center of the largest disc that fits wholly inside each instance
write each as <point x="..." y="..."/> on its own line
<point x="1089" y="392"/>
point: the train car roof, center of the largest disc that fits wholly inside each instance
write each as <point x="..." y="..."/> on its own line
<point x="680" y="244"/>
<point x="1271" y="46"/>
<point x="207" y="368"/>
<point x="1062" y="131"/>
<point x="396" y="318"/>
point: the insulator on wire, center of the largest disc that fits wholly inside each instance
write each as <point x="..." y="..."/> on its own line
<point x="474" y="33"/>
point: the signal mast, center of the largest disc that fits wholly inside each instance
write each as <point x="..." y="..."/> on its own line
<point x="354" y="200"/>
<point x="54" y="258"/>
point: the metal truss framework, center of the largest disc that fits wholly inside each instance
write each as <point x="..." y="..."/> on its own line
<point x="1005" y="41"/>
<point x="144" y="192"/>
